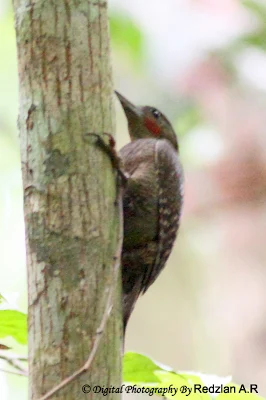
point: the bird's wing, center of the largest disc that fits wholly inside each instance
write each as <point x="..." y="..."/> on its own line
<point x="169" y="175"/>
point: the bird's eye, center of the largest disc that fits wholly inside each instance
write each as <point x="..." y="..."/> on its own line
<point x="156" y="113"/>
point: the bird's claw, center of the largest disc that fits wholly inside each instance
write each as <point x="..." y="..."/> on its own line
<point x="110" y="150"/>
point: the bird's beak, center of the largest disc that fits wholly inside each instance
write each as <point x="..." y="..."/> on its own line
<point x="131" y="111"/>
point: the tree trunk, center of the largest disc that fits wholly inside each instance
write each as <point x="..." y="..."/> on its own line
<point x="71" y="216"/>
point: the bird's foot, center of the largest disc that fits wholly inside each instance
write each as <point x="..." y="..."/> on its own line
<point x="110" y="150"/>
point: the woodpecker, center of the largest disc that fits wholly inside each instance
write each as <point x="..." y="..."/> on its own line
<point x="152" y="199"/>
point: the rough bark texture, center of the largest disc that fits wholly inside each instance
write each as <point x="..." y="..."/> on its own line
<point x="69" y="189"/>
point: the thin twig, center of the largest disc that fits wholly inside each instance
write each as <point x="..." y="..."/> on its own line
<point x="20" y="373"/>
<point x="15" y="362"/>
<point x="106" y="314"/>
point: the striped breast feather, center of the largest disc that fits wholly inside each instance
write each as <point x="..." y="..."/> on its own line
<point x="169" y="175"/>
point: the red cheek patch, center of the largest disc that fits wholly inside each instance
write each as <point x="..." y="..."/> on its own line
<point x="152" y="126"/>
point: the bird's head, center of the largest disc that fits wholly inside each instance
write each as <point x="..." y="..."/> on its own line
<point x="147" y="122"/>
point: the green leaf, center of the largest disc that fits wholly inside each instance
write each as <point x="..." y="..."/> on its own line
<point x="139" y="368"/>
<point x="126" y="35"/>
<point x="183" y="383"/>
<point x="160" y="380"/>
<point x="13" y="323"/>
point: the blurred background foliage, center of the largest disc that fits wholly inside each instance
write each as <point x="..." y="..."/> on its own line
<point x="203" y="63"/>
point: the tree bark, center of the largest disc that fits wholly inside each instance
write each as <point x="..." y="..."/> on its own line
<point x="71" y="216"/>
